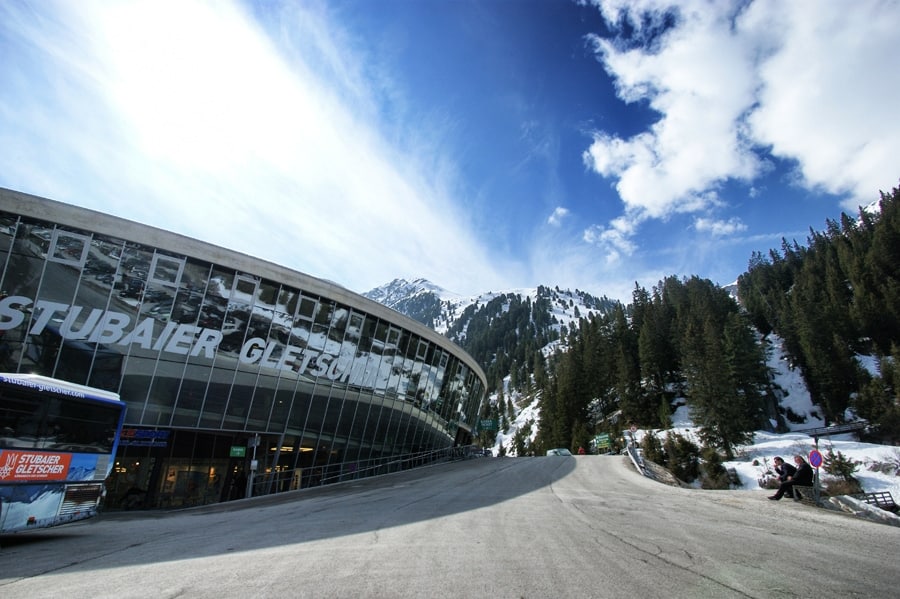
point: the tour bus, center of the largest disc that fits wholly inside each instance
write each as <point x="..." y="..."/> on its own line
<point x="57" y="446"/>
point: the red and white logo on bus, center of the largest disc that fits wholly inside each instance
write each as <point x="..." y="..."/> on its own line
<point x="30" y="465"/>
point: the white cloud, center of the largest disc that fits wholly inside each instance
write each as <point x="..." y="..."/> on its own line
<point x="720" y="228"/>
<point x="614" y="240"/>
<point x="557" y="217"/>
<point x="192" y="117"/>
<point x="828" y="92"/>
<point x="810" y="81"/>
<point x="700" y="83"/>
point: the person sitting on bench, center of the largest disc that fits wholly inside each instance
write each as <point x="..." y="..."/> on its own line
<point x="802" y="477"/>
<point x="782" y="470"/>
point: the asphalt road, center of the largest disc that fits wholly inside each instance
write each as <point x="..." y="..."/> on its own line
<point x="545" y="527"/>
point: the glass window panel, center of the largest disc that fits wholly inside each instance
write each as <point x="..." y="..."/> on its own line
<point x="298" y="340"/>
<point x="106" y="369"/>
<point x="8" y="226"/>
<point x="436" y="398"/>
<point x="405" y="364"/>
<point x="344" y="362"/>
<point x="189" y="403"/>
<point x="166" y="270"/>
<point x="281" y="406"/>
<point x="421" y="349"/>
<point x="318" y="338"/>
<point x="339" y="319"/>
<point x="244" y="291"/>
<point x="42" y="352"/>
<point x="134" y="267"/>
<point x="268" y="296"/>
<point x="59" y="284"/>
<point x="186" y="307"/>
<point x="412" y="429"/>
<point x="216" y="398"/>
<point x="417" y="434"/>
<point x="39" y="235"/>
<point x="69" y="248"/>
<point x="307" y="308"/>
<point x="379" y="336"/>
<point x="331" y="425"/>
<point x="235" y="315"/>
<point x="300" y="408"/>
<point x="403" y="343"/>
<point x="282" y="309"/>
<point x="289" y="299"/>
<point x="352" y="409"/>
<point x="393" y="338"/>
<point x="220" y="283"/>
<point x="239" y="401"/>
<point x="101" y="268"/>
<point x="212" y="312"/>
<point x="260" y="324"/>
<point x="195" y="275"/>
<point x="316" y="413"/>
<point x="325" y="312"/>
<point x="402" y="426"/>
<point x="163" y="391"/>
<point x="355" y="327"/>
<point x="157" y="302"/>
<point x="261" y="407"/>
<point x="415" y="391"/>
<point x="361" y="416"/>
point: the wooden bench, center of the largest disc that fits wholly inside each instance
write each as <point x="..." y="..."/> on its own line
<point x="804" y="494"/>
<point x="882" y="499"/>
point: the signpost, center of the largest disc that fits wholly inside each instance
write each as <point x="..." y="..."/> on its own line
<point x="253" y="465"/>
<point x="815" y="460"/>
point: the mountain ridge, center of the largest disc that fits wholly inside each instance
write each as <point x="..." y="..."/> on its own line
<point x="440" y="309"/>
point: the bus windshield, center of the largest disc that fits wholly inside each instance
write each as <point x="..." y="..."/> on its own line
<point x="57" y="442"/>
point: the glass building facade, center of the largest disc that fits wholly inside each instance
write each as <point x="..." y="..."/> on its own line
<point x="240" y="376"/>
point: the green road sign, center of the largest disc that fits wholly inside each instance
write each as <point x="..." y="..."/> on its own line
<point x="601" y="441"/>
<point x="488" y="424"/>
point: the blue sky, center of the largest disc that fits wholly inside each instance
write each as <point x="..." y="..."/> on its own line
<point x="482" y="145"/>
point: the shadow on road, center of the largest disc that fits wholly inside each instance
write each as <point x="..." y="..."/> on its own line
<point x="358" y="507"/>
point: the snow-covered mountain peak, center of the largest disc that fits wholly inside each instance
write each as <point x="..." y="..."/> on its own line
<point x="401" y="289"/>
<point x="440" y="309"/>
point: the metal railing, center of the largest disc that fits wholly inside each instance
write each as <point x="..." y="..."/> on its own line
<point x="837" y="429"/>
<point x="637" y="459"/>
<point x="316" y="476"/>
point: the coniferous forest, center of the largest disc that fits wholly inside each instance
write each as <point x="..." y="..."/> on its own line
<point x="830" y="301"/>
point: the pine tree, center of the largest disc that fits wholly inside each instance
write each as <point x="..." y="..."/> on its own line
<point x="652" y="449"/>
<point x="714" y="475"/>
<point x="837" y="464"/>
<point x="879" y="401"/>
<point x="725" y="374"/>
<point x="682" y="457"/>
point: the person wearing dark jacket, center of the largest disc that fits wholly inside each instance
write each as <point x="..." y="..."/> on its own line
<point x="782" y="470"/>
<point x="803" y="477"/>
